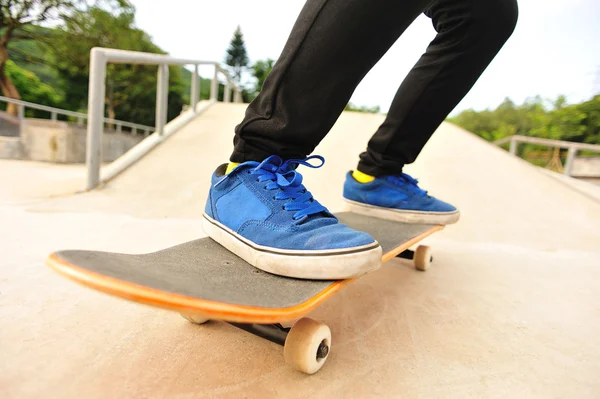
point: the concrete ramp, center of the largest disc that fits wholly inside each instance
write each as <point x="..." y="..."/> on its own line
<point x="510" y="307"/>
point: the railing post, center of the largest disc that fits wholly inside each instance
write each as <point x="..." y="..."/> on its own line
<point x="134" y="130"/>
<point x="21" y="117"/>
<point x="79" y="121"/>
<point x="227" y="94"/>
<point x="119" y="128"/>
<point x="214" y="85"/>
<point x="96" y="117"/>
<point x="513" y="146"/>
<point x="195" y="89"/>
<point x="570" y="160"/>
<point x="238" y="96"/>
<point x="53" y="116"/>
<point x="162" y="96"/>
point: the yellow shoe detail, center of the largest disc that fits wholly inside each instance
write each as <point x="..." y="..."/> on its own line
<point x="231" y="166"/>
<point x="362" y="177"/>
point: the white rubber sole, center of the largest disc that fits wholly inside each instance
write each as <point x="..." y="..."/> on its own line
<point x="333" y="264"/>
<point x="404" y="216"/>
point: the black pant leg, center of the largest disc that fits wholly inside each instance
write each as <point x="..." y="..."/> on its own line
<point x="470" y="34"/>
<point x="332" y="46"/>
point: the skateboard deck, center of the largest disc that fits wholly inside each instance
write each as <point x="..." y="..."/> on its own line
<point x="200" y="278"/>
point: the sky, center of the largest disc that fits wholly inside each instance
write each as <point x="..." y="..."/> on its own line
<point x="554" y="50"/>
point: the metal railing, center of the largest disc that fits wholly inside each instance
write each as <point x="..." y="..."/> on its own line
<point x="571" y="146"/>
<point x="100" y="57"/>
<point x="78" y="116"/>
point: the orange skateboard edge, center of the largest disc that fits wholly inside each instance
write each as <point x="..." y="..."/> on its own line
<point x="212" y="310"/>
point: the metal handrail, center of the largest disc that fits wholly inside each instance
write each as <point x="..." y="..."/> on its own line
<point x="79" y="115"/>
<point x="99" y="59"/>
<point x="572" y="146"/>
<point x="548" y="142"/>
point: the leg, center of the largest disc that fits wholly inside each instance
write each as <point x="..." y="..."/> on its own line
<point x="332" y="46"/>
<point x="470" y="34"/>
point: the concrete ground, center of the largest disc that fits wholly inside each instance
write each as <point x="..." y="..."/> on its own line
<point x="510" y="307"/>
<point x="30" y="181"/>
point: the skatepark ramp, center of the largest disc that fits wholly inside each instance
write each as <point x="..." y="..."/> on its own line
<point x="509" y="307"/>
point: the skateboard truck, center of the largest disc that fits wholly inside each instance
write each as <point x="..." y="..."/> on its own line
<point x="278" y="334"/>
<point x="306" y="344"/>
<point x="272" y="332"/>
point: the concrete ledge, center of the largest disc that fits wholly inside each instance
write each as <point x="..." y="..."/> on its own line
<point x="61" y="142"/>
<point x="586" y="167"/>
<point x="11" y="148"/>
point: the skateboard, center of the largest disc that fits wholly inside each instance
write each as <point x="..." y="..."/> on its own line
<point x="203" y="281"/>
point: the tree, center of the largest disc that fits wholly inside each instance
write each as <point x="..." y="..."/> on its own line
<point x="566" y="121"/>
<point x="32" y="89"/>
<point x="84" y="30"/>
<point x="555" y="120"/>
<point x="237" y="56"/>
<point x="130" y="89"/>
<point x="71" y="44"/>
<point x="31" y="56"/>
<point x="16" y="17"/>
<point x="591" y="109"/>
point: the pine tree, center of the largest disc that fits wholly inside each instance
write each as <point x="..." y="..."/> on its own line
<point x="237" y="56"/>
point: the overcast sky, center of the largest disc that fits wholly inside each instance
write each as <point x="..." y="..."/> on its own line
<point x="554" y="50"/>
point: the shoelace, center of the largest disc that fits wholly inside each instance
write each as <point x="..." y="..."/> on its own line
<point x="288" y="183"/>
<point x="409" y="182"/>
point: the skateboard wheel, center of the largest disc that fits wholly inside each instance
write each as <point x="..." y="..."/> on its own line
<point x="196" y="319"/>
<point x="307" y="345"/>
<point x="422" y="257"/>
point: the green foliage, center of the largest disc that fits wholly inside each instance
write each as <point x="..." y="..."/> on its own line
<point x="29" y="55"/>
<point x="237" y="56"/>
<point x="59" y="57"/>
<point x="17" y="14"/>
<point x="371" y="110"/>
<point x="32" y="89"/>
<point x="591" y="121"/>
<point x="260" y="70"/>
<point x="16" y="23"/>
<point x="557" y="121"/>
<point x="130" y="89"/>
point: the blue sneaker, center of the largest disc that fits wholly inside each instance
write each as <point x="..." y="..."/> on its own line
<point x="397" y="198"/>
<point x="261" y="212"/>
